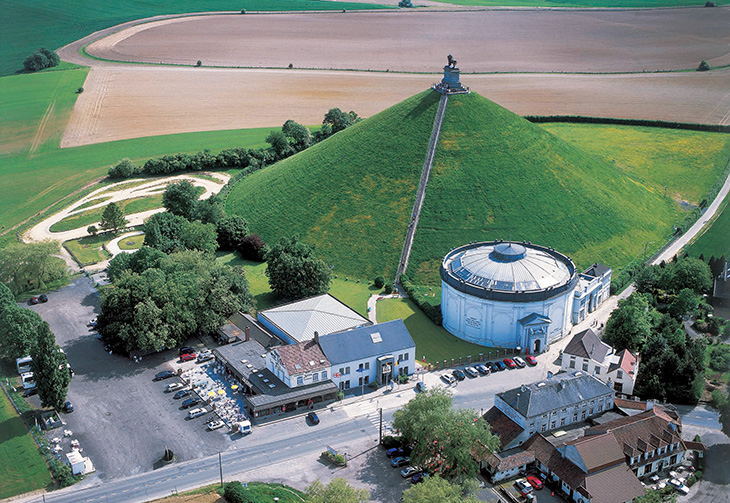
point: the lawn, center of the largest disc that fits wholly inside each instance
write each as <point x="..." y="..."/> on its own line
<point x="132" y="242"/>
<point x="716" y="240"/>
<point x="88" y="217"/>
<point x="30" y="182"/>
<point x="582" y="3"/>
<point x="29" y="24"/>
<point x="23" y="468"/>
<point x="686" y="162"/>
<point x="89" y="250"/>
<point x="432" y="341"/>
<point x="349" y="291"/>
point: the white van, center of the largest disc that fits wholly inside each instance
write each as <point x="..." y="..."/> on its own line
<point x="193" y="413"/>
<point x="23" y="364"/>
<point x="28" y="381"/>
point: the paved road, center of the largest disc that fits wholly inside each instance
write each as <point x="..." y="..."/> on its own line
<point x="700" y="416"/>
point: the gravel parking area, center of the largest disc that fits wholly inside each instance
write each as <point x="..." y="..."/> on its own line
<point x="123" y="419"/>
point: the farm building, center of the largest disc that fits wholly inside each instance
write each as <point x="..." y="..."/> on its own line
<point x="508" y="294"/>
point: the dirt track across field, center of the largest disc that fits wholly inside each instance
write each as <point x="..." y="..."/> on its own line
<point x="132" y="100"/>
<point x="484" y="41"/>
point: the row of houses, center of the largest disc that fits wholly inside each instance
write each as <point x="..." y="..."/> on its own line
<point x="303" y="353"/>
<point x="594" y="446"/>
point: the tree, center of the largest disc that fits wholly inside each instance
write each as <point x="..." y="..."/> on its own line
<point x="26" y="267"/>
<point x="50" y="369"/>
<point x="294" y="272"/>
<point x="443" y="438"/>
<point x="124" y="169"/>
<point x="629" y="325"/>
<point x="231" y="232"/>
<point x="704" y="66"/>
<point x="379" y="282"/>
<point x="655" y="496"/>
<point x="298" y="136"/>
<point x="691" y="273"/>
<point x="181" y="198"/>
<point x="40" y="60"/>
<point x="337" y="491"/>
<point x="113" y="218"/>
<point x="137" y="262"/>
<point x="199" y="236"/>
<point x="18" y="331"/>
<point x="252" y="248"/>
<point x="92" y="230"/>
<point x="209" y="211"/>
<point x="337" y="119"/>
<point x="279" y="144"/>
<point x="685" y="302"/>
<point x="437" y="490"/>
<point x="171" y="233"/>
<point x="7" y="299"/>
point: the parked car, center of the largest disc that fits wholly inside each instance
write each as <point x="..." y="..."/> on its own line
<point x="182" y="394"/>
<point x="400" y="461"/>
<point x="186" y="350"/>
<point x="190" y="402"/>
<point x="509" y="362"/>
<point x="193" y="413"/>
<point x="187" y="357"/>
<point x="531" y="360"/>
<point x="43" y="298"/>
<point x="313" y="418"/>
<point x="421" y="387"/>
<point x="409" y="471"/>
<point x="497" y="366"/>
<point x="519" y="361"/>
<point x="448" y="378"/>
<point x="214" y="425"/>
<point x="33" y="301"/>
<point x="165" y="374"/>
<point x="68" y="407"/>
<point x="654" y="478"/>
<point x="174" y="387"/>
<point x="471" y="371"/>
<point x="418" y="478"/>
<point x="678" y="486"/>
<point x="92" y="323"/>
<point x="460" y="376"/>
<point x="534" y="482"/>
<point x="204" y="356"/>
<point x="523" y="486"/>
<point x="394" y="452"/>
<point x="482" y="369"/>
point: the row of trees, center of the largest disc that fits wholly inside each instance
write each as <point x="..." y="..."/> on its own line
<point x="31" y="267"/>
<point x="24" y="333"/>
<point x="292" y="138"/>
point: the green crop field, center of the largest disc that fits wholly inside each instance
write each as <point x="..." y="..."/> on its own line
<point x="716" y="240"/>
<point x="432" y="341"/>
<point x="686" y="162"/>
<point x="32" y="181"/>
<point x="351" y="195"/>
<point x="27" y="471"/>
<point x="583" y="3"/>
<point x="497" y="175"/>
<point x="27" y="25"/>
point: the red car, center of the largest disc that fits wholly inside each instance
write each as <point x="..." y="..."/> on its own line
<point x="510" y="363"/>
<point x="535" y="482"/>
<point x="187" y="357"/>
<point x="530" y="360"/>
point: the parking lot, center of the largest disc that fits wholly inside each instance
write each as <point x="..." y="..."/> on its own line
<point x="123" y="419"/>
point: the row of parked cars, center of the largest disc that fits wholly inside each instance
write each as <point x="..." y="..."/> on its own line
<point x="399" y="457"/>
<point x="487" y="368"/>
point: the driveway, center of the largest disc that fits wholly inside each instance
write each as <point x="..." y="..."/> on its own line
<point x="123" y="420"/>
<point x="715" y="484"/>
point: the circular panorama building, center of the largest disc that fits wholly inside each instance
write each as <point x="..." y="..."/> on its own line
<point x="507" y="294"/>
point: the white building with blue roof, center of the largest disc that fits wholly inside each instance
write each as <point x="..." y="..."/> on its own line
<point x="375" y="353"/>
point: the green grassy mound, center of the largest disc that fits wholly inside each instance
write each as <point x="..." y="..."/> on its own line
<point x="497" y="175"/>
<point x="351" y="195"/>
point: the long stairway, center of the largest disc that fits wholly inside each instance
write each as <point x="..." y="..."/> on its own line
<point x="421" y="194"/>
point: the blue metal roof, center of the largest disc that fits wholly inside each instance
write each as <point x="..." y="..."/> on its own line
<point x="358" y="343"/>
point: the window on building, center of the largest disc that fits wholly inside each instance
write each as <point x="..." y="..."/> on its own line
<point x="571" y="364"/>
<point x="583" y="415"/>
<point x="575" y="416"/>
<point x="360" y="367"/>
<point x="359" y="381"/>
<point x="367" y="365"/>
<point x="324" y="375"/>
<point x="342" y="371"/>
<point x="315" y="377"/>
<point x="300" y="381"/>
<point x="552" y="425"/>
<point x="367" y="379"/>
<point x="619" y="374"/>
<point x="544" y="427"/>
<point x="585" y="366"/>
<point x="562" y="422"/>
<point x="597" y="371"/>
<point x="347" y="370"/>
<point x="347" y="384"/>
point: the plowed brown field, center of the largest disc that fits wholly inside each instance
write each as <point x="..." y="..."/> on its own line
<point x="484" y="41"/>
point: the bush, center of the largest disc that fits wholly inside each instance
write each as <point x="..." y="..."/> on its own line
<point x="719" y="399"/>
<point x="379" y="282"/>
<point x="704" y="66"/>
<point x="405" y="4"/>
<point x="252" y="247"/>
<point x="124" y="169"/>
<point x="390" y="441"/>
<point x="40" y="60"/>
<point x="62" y="473"/>
<point x="199" y="63"/>
<point x="432" y="312"/>
<point x="79" y="90"/>
<point x="402" y="379"/>
<point x="388" y="288"/>
<point x="708" y="3"/>
<point x="291" y="65"/>
<point x="234" y="493"/>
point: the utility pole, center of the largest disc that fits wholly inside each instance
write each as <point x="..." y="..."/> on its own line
<point x="381" y="426"/>
<point x="220" y="466"/>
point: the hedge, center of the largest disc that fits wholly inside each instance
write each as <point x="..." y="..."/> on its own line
<point x="717" y="128"/>
<point x="433" y="312"/>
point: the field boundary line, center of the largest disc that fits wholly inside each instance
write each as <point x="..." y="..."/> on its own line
<point x="41" y="128"/>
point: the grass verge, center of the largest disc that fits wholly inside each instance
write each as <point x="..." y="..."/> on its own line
<point x="715" y="241"/>
<point x="88" y="250"/>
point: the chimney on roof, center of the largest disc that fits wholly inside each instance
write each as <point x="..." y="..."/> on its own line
<point x="562" y="384"/>
<point x="248" y="334"/>
<point x="316" y="337"/>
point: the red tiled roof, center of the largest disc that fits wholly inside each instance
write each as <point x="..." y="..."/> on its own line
<point x="502" y="426"/>
<point x="615" y="485"/>
<point x="645" y="431"/>
<point x="304" y="357"/>
<point x="626" y="361"/>
<point x="548" y="455"/>
<point x="629" y="404"/>
<point x="599" y="451"/>
<point x="507" y="463"/>
<point x="695" y="446"/>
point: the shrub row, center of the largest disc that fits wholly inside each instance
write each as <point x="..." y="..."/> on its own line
<point x="628" y="122"/>
<point x="433" y="312"/>
<point x="201" y="161"/>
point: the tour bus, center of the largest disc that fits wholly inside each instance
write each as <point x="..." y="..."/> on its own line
<point x="23" y="364"/>
<point x="27" y="379"/>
